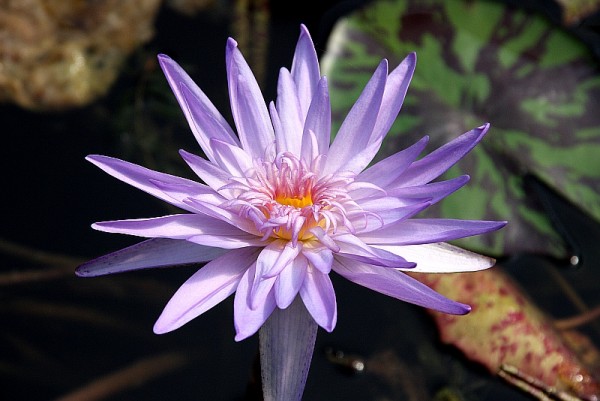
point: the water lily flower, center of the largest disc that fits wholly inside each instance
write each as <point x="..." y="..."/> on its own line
<point x="279" y="207"/>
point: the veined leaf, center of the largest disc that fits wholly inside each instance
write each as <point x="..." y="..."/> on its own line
<point x="481" y="61"/>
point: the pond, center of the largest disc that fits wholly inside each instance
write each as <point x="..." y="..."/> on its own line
<point x="70" y="338"/>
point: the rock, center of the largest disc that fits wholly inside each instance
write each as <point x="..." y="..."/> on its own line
<point x="57" y="55"/>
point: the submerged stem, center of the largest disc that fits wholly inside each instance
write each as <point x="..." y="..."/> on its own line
<point x="287" y="342"/>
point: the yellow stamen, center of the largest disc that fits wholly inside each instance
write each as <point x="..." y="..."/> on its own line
<point x="295" y="201"/>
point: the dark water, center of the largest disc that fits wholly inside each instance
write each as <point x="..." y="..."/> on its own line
<point x="59" y="334"/>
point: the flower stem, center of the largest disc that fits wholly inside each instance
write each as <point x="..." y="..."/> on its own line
<point x="287" y="342"/>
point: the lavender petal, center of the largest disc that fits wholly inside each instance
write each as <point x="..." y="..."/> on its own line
<point x="397" y="284"/>
<point x="156" y="252"/>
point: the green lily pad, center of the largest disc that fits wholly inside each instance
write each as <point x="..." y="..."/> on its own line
<point x="481" y="61"/>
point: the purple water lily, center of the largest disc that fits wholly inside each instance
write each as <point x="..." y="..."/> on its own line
<point x="280" y="207"/>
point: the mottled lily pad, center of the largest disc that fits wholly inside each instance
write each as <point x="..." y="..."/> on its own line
<point x="480" y="61"/>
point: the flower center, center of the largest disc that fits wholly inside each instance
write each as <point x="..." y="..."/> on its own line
<point x="286" y="199"/>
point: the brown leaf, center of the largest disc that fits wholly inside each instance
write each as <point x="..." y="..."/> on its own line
<point x="506" y="328"/>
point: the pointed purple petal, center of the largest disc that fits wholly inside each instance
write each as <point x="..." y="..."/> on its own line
<point x="200" y="229"/>
<point x="324" y="238"/>
<point x="289" y="139"/>
<point x="179" y="226"/>
<point x="204" y="119"/>
<point x="398" y="285"/>
<point x="355" y="132"/>
<point x="310" y="147"/>
<point x="395" y="90"/>
<point x="140" y="177"/>
<point x="318" y="120"/>
<point x="247" y="321"/>
<point x="305" y="69"/>
<point x="387" y="170"/>
<point x="382" y="204"/>
<point x="182" y="191"/>
<point x="231" y="158"/>
<point x="396" y="86"/>
<point x="206" y="122"/>
<point x="210" y="173"/>
<point x="319" y="298"/>
<point x="435" y="191"/>
<point x="383" y="217"/>
<point x="353" y="248"/>
<point x="359" y="190"/>
<point x="247" y="104"/>
<point x="289" y="282"/>
<point x="225" y="215"/>
<point x="262" y="289"/>
<point x="392" y="216"/>
<point x="320" y="258"/>
<point x="204" y="289"/>
<point x="277" y="123"/>
<point x="437" y="162"/>
<point x="276" y="257"/>
<point x="157" y="252"/>
<point x="426" y="231"/>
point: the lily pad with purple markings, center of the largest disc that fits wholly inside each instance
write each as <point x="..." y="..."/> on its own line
<point x="481" y="61"/>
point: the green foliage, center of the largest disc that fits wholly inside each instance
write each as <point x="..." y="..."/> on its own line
<point x="480" y="61"/>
